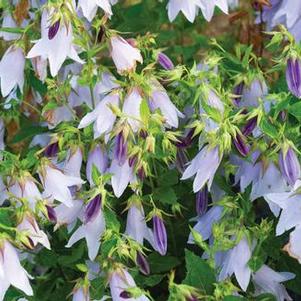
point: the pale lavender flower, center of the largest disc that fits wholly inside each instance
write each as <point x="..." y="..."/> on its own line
<point x="120" y="281"/>
<point x="81" y="294"/>
<point x="92" y="209"/>
<point x="97" y="157"/>
<point x="122" y="175"/>
<point x="208" y="7"/>
<point x="73" y="162"/>
<point x="267" y="280"/>
<point x="3" y="192"/>
<point x="11" y="271"/>
<point x="294" y="246"/>
<point x="235" y="261"/>
<point x="31" y="228"/>
<point x="56" y="45"/>
<point x="202" y="201"/>
<point x="293" y="76"/>
<point x="51" y="214"/>
<point x="121" y="149"/>
<point x="92" y="232"/>
<point x="124" y="55"/>
<point x="58" y="115"/>
<point x="188" y="8"/>
<point x="102" y="116"/>
<point x="204" y="165"/>
<point x="131" y="108"/>
<point x="56" y="184"/>
<point x="165" y="61"/>
<point x="89" y="7"/>
<point x="2" y="132"/>
<point x="159" y="99"/>
<point x="12" y="70"/>
<point x="289" y="166"/>
<point x="160" y="235"/>
<point x="9" y="22"/>
<point x="136" y="226"/>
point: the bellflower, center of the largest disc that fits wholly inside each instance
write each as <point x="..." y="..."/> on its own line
<point x="124" y="55"/>
<point x="204" y="165"/>
<point x="56" y="43"/>
<point x="289" y="166"/>
<point x="92" y="231"/>
<point x="165" y="61"/>
<point x="56" y="184"/>
<point x="188" y="8"/>
<point x="12" y="70"/>
<point x="159" y="99"/>
<point x="208" y="7"/>
<point x="102" y="116"/>
<point x="241" y="145"/>
<point x="131" y="108"/>
<point x="11" y="271"/>
<point x="2" y="132"/>
<point x="122" y="175"/>
<point x="120" y="281"/>
<point x="81" y="294"/>
<point x="160" y="235"/>
<point x="235" y="261"/>
<point x="293" y="76"/>
<point x="202" y="201"/>
<point x="121" y="149"/>
<point x="32" y="230"/>
<point x="9" y="22"/>
<point x="136" y="226"/>
<point x="73" y="163"/>
<point x="89" y="7"/>
<point x="267" y="280"/>
<point x="97" y="157"/>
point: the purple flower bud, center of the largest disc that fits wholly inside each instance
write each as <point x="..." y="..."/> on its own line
<point x="181" y="160"/>
<point x="202" y="201"/>
<point x="125" y="295"/>
<point x="187" y="140"/>
<point x="143" y="134"/>
<point x="283" y="115"/>
<point x="238" y="91"/>
<point x="293" y="77"/>
<point x="249" y="127"/>
<point x="165" y="61"/>
<point x="143" y="264"/>
<point x="241" y="146"/>
<point x="53" y="29"/>
<point x="51" y="214"/>
<point x="121" y="149"/>
<point x="141" y="173"/>
<point x="51" y="150"/>
<point x="92" y="209"/>
<point x="132" y="160"/>
<point x="289" y="166"/>
<point x="160" y="235"/>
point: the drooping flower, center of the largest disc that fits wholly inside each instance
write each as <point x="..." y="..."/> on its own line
<point x="9" y="22"/>
<point x="12" y="70"/>
<point x="89" y="7"/>
<point x="81" y="294"/>
<point x="102" y="116"/>
<point x="92" y="209"/>
<point x="204" y="165"/>
<point x="208" y="7"/>
<point x="165" y="61"/>
<point x="97" y="157"/>
<point x="92" y="231"/>
<point x="241" y="145"/>
<point x="160" y="235"/>
<point x="267" y="280"/>
<point x="188" y="8"/>
<point x="235" y="261"/>
<point x="56" y="43"/>
<point x="56" y="184"/>
<point x="289" y="166"/>
<point x="159" y="99"/>
<point x="121" y="149"/>
<point x="202" y="201"/>
<point x="73" y="162"/>
<point x="11" y="271"/>
<point x="121" y="281"/>
<point x="124" y="55"/>
<point x="293" y="76"/>
<point x="31" y="228"/>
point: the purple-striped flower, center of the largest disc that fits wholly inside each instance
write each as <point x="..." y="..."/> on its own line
<point x="92" y="209"/>
<point x="238" y="91"/>
<point x="160" y="235"/>
<point x="142" y="263"/>
<point x="53" y="29"/>
<point x="51" y="214"/>
<point x="241" y="146"/>
<point x="121" y="149"/>
<point x="289" y="166"/>
<point x="249" y="127"/>
<point x="165" y="61"/>
<point x="51" y="150"/>
<point x="293" y="76"/>
<point x="202" y="200"/>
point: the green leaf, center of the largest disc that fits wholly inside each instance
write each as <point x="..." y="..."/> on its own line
<point x="161" y="264"/>
<point x="144" y="112"/>
<point x="28" y="132"/>
<point x="199" y="273"/>
<point x="234" y="298"/>
<point x="295" y="109"/>
<point x="165" y="195"/>
<point x="268" y="128"/>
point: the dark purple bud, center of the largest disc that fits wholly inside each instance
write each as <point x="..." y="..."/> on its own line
<point x="51" y="150"/>
<point x="53" y="29"/>
<point x="187" y="140"/>
<point x="121" y="149"/>
<point x="141" y="173"/>
<point x="125" y="295"/>
<point x="238" y="91"/>
<point x="165" y="61"/>
<point x="51" y="214"/>
<point x="289" y="166"/>
<point x="132" y="160"/>
<point x="249" y="127"/>
<point x="160" y="235"/>
<point x="241" y="146"/>
<point x="143" y="264"/>
<point x="92" y="209"/>
<point x="143" y="134"/>
<point x="293" y="77"/>
<point x="181" y="160"/>
<point x="283" y="115"/>
<point x="202" y="200"/>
